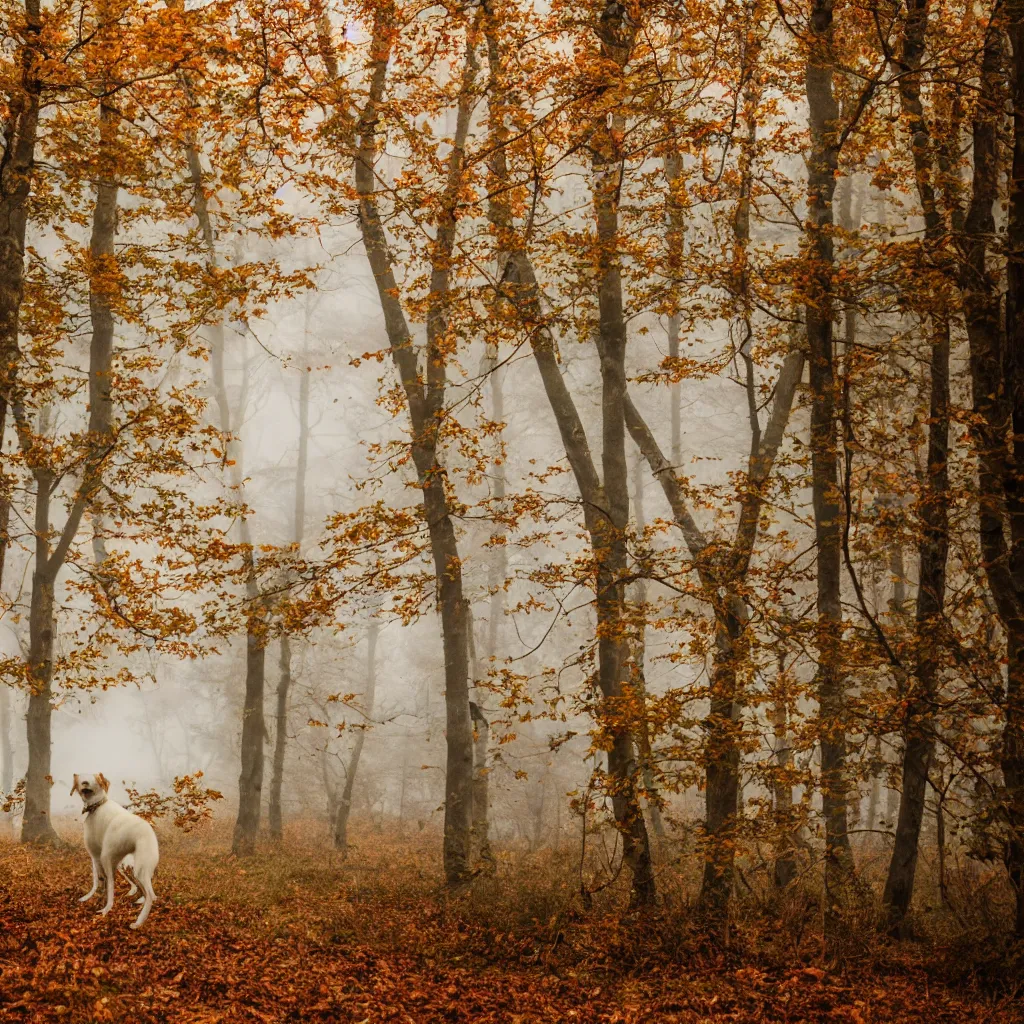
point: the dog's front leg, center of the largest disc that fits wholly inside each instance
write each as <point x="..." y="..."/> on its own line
<point x="108" y="873"/>
<point x="95" y="879"/>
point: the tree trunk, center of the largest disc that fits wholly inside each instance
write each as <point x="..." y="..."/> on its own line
<point x="103" y="285"/>
<point x="674" y="240"/>
<point x="606" y="504"/>
<point x="997" y="378"/>
<point x="35" y="823"/>
<point x="940" y="844"/>
<point x="822" y="166"/>
<point x="1012" y="755"/>
<point x="918" y="731"/>
<point x="250" y="779"/>
<point x="722" y="761"/>
<point x="482" y="856"/>
<point x="497" y="568"/>
<point x="426" y="400"/>
<point x="6" y="713"/>
<point x="782" y="788"/>
<point x="369" y="695"/>
<point x="1012" y="763"/>
<point x="722" y="724"/>
<point x="874" y="781"/>
<point x="608" y="535"/>
<point x="458" y="817"/>
<point x="723" y="727"/>
<point x="16" y="172"/>
<point x="6" y="757"/>
<point x="330" y="789"/>
<point x="284" y="681"/>
<point x="280" y="736"/>
<point x="254" y="729"/>
<point x="653" y="799"/>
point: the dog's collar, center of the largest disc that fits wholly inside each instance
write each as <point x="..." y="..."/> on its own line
<point x="89" y="808"/>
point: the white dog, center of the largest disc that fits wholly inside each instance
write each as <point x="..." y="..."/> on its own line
<point x="114" y="837"/>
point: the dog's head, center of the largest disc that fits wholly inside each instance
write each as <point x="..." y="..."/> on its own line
<point x="89" y="787"/>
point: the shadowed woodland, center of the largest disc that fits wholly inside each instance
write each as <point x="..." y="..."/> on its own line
<point x="525" y="497"/>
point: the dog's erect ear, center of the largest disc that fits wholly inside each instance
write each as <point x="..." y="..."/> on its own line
<point x="102" y="780"/>
<point x="74" y="786"/>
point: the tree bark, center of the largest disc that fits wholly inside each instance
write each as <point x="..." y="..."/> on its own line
<point x="723" y="726"/>
<point x="369" y="695"/>
<point x="17" y="163"/>
<point x="250" y="779"/>
<point x="103" y="284"/>
<point x="819" y="312"/>
<point x="285" y="678"/>
<point x="284" y="683"/>
<point x="497" y="569"/>
<point x="918" y="731"/>
<point x="426" y="402"/>
<point x="719" y="578"/>
<point x="612" y="520"/>
<point x="784" y="870"/>
<point x="997" y="378"/>
<point x="1012" y="754"/>
<point x="483" y="857"/>
<point x="6" y="756"/>
<point x="653" y="799"/>
<point x="674" y="240"/>
<point x="35" y="823"/>
<point x="606" y="504"/>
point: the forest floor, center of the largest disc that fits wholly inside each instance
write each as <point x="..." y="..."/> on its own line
<point x="301" y="934"/>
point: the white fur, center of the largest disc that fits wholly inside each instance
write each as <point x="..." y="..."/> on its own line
<point x="116" y="839"/>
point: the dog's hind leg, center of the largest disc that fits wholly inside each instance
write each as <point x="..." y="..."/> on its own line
<point x="123" y="872"/>
<point x="95" y="880"/>
<point x="147" y="887"/>
<point x="108" y="872"/>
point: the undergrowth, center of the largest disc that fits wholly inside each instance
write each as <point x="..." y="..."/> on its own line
<point x="299" y="932"/>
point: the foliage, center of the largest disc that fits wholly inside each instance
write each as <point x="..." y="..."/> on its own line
<point x="190" y="803"/>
